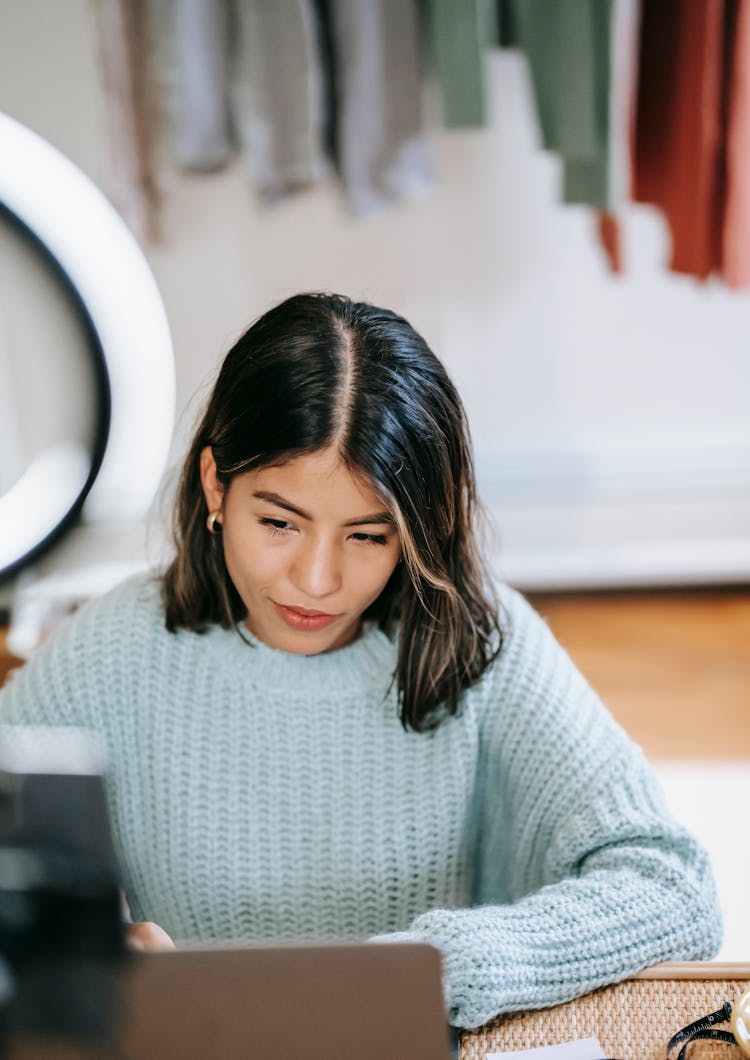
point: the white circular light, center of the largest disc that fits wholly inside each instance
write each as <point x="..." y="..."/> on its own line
<point x="39" y="501"/>
<point x="92" y="243"/>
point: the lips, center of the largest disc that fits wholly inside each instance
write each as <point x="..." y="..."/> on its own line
<point x="306" y="611"/>
<point x="304" y="620"/>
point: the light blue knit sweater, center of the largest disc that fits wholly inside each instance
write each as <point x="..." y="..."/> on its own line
<point x="261" y="795"/>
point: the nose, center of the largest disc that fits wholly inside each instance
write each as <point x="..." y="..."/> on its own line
<point x="316" y="570"/>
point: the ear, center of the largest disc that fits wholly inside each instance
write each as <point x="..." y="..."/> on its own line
<point x="213" y="490"/>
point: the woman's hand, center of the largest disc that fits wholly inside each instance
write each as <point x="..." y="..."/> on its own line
<point x="146" y="936"/>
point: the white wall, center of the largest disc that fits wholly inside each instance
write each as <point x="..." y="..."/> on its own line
<point x="609" y="415"/>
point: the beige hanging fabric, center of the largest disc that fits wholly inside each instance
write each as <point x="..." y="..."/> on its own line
<point x="125" y="50"/>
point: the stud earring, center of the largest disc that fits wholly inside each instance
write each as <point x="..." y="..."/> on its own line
<point x="213" y="524"/>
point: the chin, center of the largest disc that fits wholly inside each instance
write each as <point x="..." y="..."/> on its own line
<point x="303" y="643"/>
<point x="308" y="647"/>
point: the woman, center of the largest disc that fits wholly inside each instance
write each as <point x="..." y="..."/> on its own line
<point x="322" y="723"/>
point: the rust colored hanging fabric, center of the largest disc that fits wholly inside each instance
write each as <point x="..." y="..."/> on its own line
<point x="736" y="225"/>
<point x="685" y="64"/>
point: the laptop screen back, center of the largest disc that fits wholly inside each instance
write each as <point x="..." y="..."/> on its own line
<point x="307" y="1002"/>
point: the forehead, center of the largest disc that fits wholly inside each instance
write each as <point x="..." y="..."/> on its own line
<point x="321" y="484"/>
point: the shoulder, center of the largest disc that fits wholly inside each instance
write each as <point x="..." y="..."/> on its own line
<point x="528" y="643"/>
<point x="130" y="610"/>
<point x="533" y="686"/>
<point x="81" y="666"/>
<point x="522" y="637"/>
<point x="100" y="637"/>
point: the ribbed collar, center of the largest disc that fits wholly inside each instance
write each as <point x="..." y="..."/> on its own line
<point x="368" y="661"/>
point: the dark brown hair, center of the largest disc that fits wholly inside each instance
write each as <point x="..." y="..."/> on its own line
<point x="320" y="371"/>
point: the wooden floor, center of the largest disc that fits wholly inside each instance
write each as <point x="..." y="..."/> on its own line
<point x="673" y="667"/>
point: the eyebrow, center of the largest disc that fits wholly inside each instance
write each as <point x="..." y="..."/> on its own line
<point x="365" y="520"/>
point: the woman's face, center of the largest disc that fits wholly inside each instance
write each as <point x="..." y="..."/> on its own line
<point x="308" y="547"/>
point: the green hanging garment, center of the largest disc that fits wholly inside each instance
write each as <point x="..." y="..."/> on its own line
<point x="460" y="31"/>
<point x="580" y="55"/>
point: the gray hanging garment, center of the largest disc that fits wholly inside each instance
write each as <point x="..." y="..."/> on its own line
<point x="200" y="89"/>
<point x="278" y="94"/>
<point x="383" y="150"/>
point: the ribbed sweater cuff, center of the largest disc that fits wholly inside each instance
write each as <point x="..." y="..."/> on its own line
<point x="557" y="945"/>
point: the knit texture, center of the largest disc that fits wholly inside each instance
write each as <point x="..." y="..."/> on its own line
<point x="256" y="794"/>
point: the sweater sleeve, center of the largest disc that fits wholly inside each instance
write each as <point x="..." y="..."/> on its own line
<point x="47" y="689"/>
<point x="81" y="670"/>
<point x="583" y="877"/>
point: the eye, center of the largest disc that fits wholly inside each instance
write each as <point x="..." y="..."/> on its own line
<point x="370" y="539"/>
<point x="276" y="526"/>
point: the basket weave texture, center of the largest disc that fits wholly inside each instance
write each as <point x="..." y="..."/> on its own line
<point x="632" y="1020"/>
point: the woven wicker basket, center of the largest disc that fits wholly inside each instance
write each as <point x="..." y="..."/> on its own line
<point x="633" y="1020"/>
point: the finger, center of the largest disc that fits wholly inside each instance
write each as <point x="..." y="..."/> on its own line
<point x="156" y="937"/>
<point x="148" y="936"/>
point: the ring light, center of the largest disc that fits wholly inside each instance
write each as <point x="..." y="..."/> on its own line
<point x="109" y="283"/>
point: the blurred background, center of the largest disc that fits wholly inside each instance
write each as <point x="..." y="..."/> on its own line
<point x="552" y="191"/>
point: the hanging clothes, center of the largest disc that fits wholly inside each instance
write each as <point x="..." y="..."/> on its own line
<point x="609" y="233"/>
<point x="605" y="180"/>
<point x="201" y="98"/>
<point x="558" y="42"/>
<point x="624" y="43"/>
<point x="507" y="28"/>
<point x="125" y="54"/>
<point x="681" y="124"/>
<point x="569" y="48"/>
<point x="382" y="148"/>
<point x="277" y="94"/>
<point x="589" y="178"/>
<point x="735" y="252"/>
<point x="327" y="45"/>
<point x="245" y="75"/>
<point x="459" y="33"/>
<point x="299" y="87"/>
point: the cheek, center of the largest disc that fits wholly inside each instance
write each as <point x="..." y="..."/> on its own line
<point x="379" y="571"/>
<point x="250" y="559"/>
